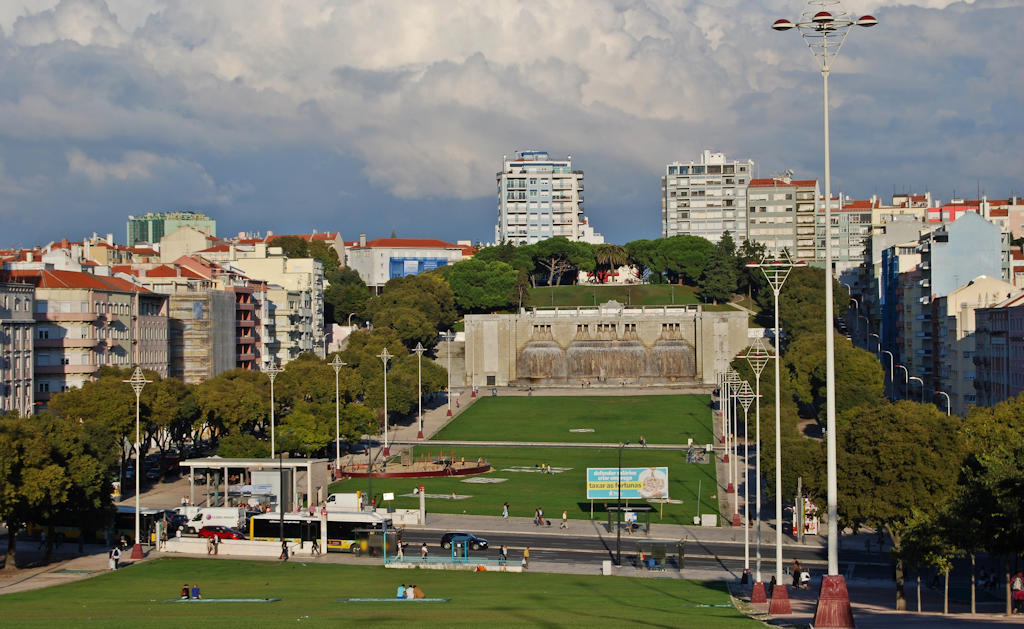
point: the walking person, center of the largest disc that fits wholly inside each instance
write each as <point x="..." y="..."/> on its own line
<point x="565" y="520"/>
<point x="115" y="557"/>
<point x="526" y="558"/>
<point x="643" y="441"/>
<point x="42" y="540"/>
<point x="315" y="548"/>
<point x="284" y="551"/>
<point x="504" y="511"/>
<point x="424" y="551"/>
<point x="1017" y="585"/>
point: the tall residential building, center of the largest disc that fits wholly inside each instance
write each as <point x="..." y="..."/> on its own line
<point x="152" y="226"/>
<point x="707" y="198"/>
<point x="999" y="354"/>
<point x="781" y="215"/>
<point x="86" y="321"/>
<point x="540" y="198"/>
<point x="953" y="317"/>
<point x="16" y="355"/>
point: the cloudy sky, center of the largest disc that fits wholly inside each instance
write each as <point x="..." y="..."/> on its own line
<point x="372" y="116"/>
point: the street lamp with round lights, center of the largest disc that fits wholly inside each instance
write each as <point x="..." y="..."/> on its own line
<point x="138" y="382"/>
<point x="824" y="26"/>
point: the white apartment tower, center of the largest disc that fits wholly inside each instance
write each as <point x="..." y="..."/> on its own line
<point x="707" y="198"/>
<point x="539" y="198"/>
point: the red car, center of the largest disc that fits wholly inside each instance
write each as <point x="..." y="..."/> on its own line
<point x="221" y="532"/>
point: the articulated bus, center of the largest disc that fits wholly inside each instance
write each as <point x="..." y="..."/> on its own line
<point x="66" y="529"/>
<point x="354" y="532"/>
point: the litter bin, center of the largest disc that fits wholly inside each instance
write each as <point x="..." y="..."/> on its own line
<point x="606" y="567"/>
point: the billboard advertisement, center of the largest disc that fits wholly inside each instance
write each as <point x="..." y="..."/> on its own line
<point x="638" y="483"/>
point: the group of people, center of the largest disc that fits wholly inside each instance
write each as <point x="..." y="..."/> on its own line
<point x="538" y="517"/>
<point x="191" y="593"/>
<point x="212" y="545"/>
<point x="409" y="592"/>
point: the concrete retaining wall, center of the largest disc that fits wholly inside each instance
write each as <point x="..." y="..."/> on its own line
<point x="237" y="547"/>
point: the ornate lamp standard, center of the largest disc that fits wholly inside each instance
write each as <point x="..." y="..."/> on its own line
<point x="757" y="356"/>
<point x="272" y="372"/>
<point x="824" y="32"/>
<point x="419" y="385"/>
<point x="734" y="381"/>
<point x="746" y="396"/>
<point x="384" y="358"/>
<point x="337" y="364"/>
<point x="138" y="382"/>
<point x="776" y="270"/>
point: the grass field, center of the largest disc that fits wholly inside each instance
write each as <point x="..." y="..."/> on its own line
<point x="527" y="490"/>
<point x="633" y="294"/>
<point x="133" y="598"/>
<point x="660" y="418"/>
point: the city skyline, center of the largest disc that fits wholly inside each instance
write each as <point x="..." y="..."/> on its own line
<point x="290" y="121"/>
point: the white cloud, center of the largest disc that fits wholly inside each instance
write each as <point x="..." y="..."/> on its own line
<point x="426" y="97"/>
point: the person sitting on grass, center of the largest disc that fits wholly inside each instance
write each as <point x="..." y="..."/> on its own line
<point x="417" y="592"/>
<point x="401" y="591"/>
<point x="410" y="592"/>
<point x="195" y="592"/>
<point x="185" y="593"/>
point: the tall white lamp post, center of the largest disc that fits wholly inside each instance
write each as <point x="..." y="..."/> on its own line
<point x="746" y="396"/>
<point x="776" y="269"/>
<point x="419" y="385"/>
<point x="337" y="364"/>
<point x="733" y="379"/>
<point x="948" y="408"/>
<point x="921" y="382"/>
<point x="757" y="356"/>
<point x="384" y="358"/>
<point x="449" y="336"/>
<point x="824" y="25"/>
<point x="272" y="372"/>
<point x="138" y="382"/>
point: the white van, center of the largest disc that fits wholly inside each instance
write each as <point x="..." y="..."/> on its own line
<point x="344" y="502"/>
<point x="198" y="517"/>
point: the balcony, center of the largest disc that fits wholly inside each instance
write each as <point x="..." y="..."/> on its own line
<point x="245" y="323"/>
<point x="65" y="316"/>
<point x="65" y="342"/>
<point x="61" y="369"/>
<point x="245" y="340"/>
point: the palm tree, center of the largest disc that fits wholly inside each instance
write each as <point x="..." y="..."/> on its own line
<point x="609" y="258"/>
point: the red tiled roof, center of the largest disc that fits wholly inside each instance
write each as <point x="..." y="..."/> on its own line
<point x="216" y="248"/>
<point x="419" y="243"/>
<point x="77" y="279"/>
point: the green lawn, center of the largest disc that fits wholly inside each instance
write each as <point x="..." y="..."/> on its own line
<point x="527" y="490"/>
<point x="660" y="418"/>
<point x="633" y="294"/>
<point x="132" y="598"/>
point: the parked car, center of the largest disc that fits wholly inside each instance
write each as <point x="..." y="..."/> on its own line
<point x="462" y="539"/>
<point x="221" y="532"/>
